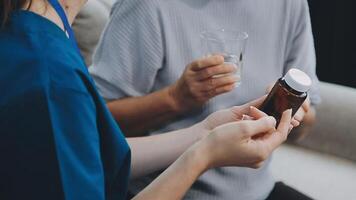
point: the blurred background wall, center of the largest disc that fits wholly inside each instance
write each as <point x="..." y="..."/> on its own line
<point x="334" y="27"/>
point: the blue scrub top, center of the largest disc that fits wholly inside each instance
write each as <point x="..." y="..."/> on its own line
<point x="57" y="137"/>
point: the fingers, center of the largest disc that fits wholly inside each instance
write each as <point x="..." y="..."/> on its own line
<point x="299" y="115"/>
<point x="244" y="109"/>
<point x="255" y="127"/>
<point x="256" y="113"/>
<point x="257" y="165"/>
<point x="199" y="84"/>
<point x="306" y="105"/>
<point x="290" y="128"/>
<point x="216" y="83"/>
<point x="277" y="138"/>
<point x="224" y="89"/>
<point x="285" y="121"/>
<point x="247" y="117"/>
<point x="207" y="62"/>
<point x="215" y="71"/>
<point x="295" y="123"/>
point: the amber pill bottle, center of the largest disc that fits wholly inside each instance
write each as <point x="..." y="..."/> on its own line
<point x="289" y="92"/>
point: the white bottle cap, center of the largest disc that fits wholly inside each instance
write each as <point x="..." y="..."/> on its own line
<point x="298" y="80"/>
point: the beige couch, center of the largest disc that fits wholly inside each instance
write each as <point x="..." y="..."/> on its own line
<point x="322" y="165"/>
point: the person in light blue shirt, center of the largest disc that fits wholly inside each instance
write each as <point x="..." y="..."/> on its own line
<point x="59" y="141"/>
<point x="167" y="34"/>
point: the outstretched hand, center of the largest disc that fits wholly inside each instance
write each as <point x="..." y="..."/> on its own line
<point x="246" y="143"/>
<point x="232" y="114"/>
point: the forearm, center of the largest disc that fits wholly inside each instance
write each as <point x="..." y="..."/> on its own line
<point x="231" y="144"/>
<point x="148" y="124"/>
<point x="178" y="178"/>
<point x="139" y="114"/>
<point x="153" y="153"/>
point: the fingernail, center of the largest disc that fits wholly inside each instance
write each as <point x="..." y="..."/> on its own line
<point x="272" y="119"/>
<point x="244" y="117"/>
<point x="290" y="129"/>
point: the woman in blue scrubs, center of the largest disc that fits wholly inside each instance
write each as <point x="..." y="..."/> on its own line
<point x="58" y="140"/>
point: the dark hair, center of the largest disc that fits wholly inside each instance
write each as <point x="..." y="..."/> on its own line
<point x="9" y="6"/>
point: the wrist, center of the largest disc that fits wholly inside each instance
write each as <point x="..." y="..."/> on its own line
<point x="200" y="156"/>
<point x="200" y="131"/>
<point x="173" y="99"/>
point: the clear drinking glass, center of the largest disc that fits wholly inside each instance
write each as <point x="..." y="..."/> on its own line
<point x="229" y="43"/>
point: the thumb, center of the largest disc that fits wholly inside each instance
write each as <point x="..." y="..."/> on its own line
<point x="255" y="127"/>
<point x="246" y="107"/>
<point x="277" y="138"/>
<point x="256" y="113"/>
<point x="286" y="119"/>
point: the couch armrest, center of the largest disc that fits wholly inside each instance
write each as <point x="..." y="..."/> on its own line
<point x="334" y="131"/>
<point x="89" y="25"/>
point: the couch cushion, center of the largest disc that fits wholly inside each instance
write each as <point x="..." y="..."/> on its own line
<point x="335" y="129"/>
<point x="318" y="175"/>
<point x="89" y="25"/>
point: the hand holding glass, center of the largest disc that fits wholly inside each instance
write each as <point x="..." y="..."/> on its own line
<point x="228" y="43"/>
